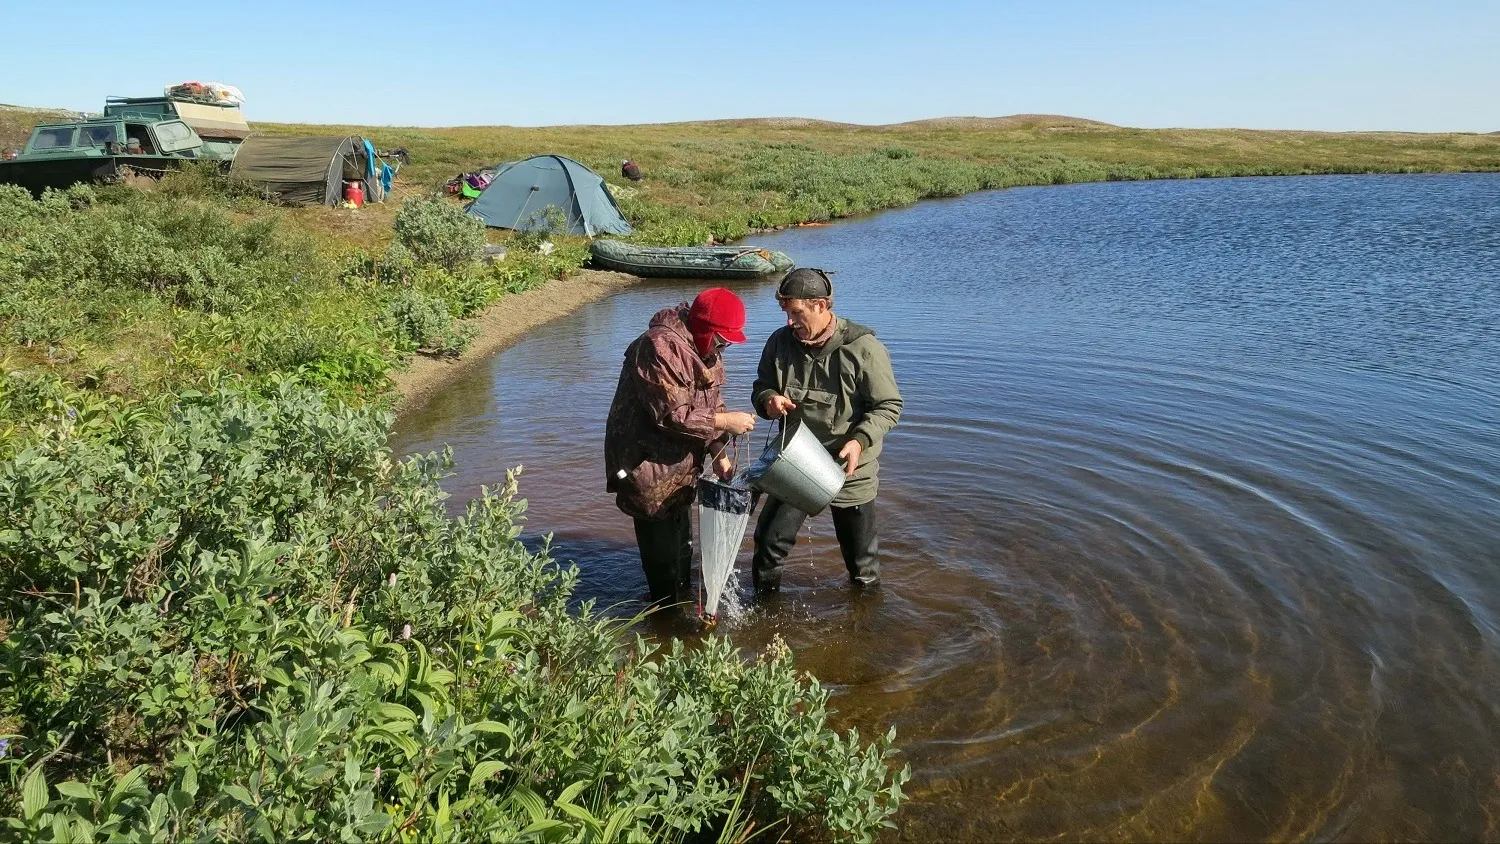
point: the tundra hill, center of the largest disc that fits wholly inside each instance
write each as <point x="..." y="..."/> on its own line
<point x="1010" y="121"/>
<point x="692" y="163"/>
<point x="727" y="178"/>
<point x="16" y="123"/>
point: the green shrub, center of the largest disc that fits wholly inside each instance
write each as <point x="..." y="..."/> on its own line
<point x="399" y="264"/>
<point x="191" y="254"/>
<point x="206" y="179"/>
<point x="249" y="623"/>
<point x="540" y="226"/>
<point x="519" y="272"/>
<point x="178" y="285"/>
<point x="29" y="319"/>
<point x="662" y="230"/>
<point x="465" y="292"/>
<point x="567" y="257"/>
<point x="439" y="233"/>
<point x="422" y="322"/>
<point x="96" y="275"/>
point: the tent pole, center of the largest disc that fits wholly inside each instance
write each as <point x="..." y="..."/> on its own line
<point x="517" y="221"/>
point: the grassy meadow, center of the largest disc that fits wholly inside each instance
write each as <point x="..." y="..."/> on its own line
<point x="728" y="178"/>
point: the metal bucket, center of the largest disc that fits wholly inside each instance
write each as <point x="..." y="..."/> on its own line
<point x="798" y="470"/>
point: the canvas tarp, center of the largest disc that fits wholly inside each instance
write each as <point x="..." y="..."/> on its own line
<point x="518" y="196"/>
<point x="301" y="171"/>
<point x="213" y="121"/>
<point x="209" y="121"/>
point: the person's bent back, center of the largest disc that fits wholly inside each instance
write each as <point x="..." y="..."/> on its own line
<point x="667" y="417"/>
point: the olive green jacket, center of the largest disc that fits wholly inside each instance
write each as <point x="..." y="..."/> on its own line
<point x="845" y="390"/>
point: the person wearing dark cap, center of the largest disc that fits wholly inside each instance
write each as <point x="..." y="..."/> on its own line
<point x="835" y="377"/>
<point x="666" y="419"/>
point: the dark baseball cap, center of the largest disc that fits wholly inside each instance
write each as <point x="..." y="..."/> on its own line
<point x="805" y="283"/>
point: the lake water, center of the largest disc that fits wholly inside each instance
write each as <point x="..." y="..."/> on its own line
<point x="1191" y="528"/>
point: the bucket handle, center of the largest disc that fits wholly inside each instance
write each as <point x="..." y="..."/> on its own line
<point x="779" y="431"/>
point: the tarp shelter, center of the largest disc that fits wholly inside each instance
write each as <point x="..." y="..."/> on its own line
<point x="519" y="194"/>
<point x="306" y="171"/>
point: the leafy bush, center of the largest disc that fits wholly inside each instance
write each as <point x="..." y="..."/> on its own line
<point x="248" y="622"/>
<point x="161" y="290"/>
<point x="423" y="323"/>
<point x="541" y="225"/>
<point x="191" y="254"/>
<point x="657" y="225"/>
<point x="438" y="232"/>
<point x="519" y="273"/>
<point x="28" y="320"/>
<point x="207" y="179"/>
<point x="399" y="264"/>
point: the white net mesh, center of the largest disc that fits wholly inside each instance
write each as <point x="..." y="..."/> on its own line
<point x="723" y="516"/>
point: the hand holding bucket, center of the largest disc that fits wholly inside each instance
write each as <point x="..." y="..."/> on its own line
<point x="778" y="406"/>
<point x="797" y="469"/>
<point x="850" y="454"/>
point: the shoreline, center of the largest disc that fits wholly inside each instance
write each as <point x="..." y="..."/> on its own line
<point x="500" y="325"/>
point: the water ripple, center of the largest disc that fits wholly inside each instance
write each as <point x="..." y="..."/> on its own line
<point x="1191" y="524"/>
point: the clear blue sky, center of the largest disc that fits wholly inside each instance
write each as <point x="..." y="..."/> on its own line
<point x="1314" y="65"/>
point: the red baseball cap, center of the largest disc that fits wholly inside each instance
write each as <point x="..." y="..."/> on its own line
<point x="717" y="311"/>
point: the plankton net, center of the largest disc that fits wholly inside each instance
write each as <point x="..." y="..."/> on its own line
<point x="723" y="515"/>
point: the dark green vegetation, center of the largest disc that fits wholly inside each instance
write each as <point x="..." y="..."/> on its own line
<point x="233" y="616"/>
<point x="132" y="292"/>
<point x="228" y="613"/>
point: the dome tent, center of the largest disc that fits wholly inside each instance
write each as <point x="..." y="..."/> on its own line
<point x="521" y="191"/>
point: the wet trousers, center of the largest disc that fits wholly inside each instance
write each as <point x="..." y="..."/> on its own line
<point x="776" y="533"/>
<point x="667" y="556"/>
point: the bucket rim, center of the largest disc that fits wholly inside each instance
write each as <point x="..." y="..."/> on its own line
<point x="788" y="429"/>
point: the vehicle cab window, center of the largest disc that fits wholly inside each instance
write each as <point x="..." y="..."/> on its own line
<point x="138" y="139"/>
<point x="175" y="136"/>
<point x="59" y="137"/>
<point x="99" y="136"/>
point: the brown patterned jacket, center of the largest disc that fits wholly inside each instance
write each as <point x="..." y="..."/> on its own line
<point x="661" y="423"/>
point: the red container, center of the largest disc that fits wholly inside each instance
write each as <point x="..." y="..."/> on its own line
<point x="354" y="193"/>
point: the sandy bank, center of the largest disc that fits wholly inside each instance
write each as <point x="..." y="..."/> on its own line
<point x="500" y="325"/>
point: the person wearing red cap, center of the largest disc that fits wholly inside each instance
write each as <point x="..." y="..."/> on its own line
<point x="666" y="418"/>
